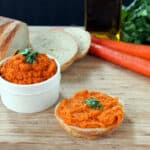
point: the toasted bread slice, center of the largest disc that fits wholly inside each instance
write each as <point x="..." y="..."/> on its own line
<point x="57" y="44"/>
<point x="81" y="36"/>
<point x="88" y="133"/>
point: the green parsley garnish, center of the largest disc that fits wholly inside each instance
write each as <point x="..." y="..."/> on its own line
<point x="29" y="53"/>
<point x="93" y="103"/>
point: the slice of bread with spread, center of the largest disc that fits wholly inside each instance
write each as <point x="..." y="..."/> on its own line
<point x="89" y="114"/>
<point x="14" y="34"/>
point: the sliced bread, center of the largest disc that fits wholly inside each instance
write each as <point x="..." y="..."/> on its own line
<point x="83" y="39"/>
<point x="57" y="44"/>
<point x="81" y="36"/>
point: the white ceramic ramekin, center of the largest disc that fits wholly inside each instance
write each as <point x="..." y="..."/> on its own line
<point x="30" y="98"/>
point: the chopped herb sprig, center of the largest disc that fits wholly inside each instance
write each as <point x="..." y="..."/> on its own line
<point x="93" y="103"/>
<point x="29" y="53"/>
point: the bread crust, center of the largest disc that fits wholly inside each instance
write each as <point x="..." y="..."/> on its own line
<point x="6" y="37"/>
<point x="88" y="133"/>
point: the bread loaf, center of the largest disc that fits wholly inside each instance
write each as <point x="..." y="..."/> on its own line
<point x="14" y="34"/>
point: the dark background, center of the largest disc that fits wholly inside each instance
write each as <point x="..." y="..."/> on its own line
<point x="46" y="12"/>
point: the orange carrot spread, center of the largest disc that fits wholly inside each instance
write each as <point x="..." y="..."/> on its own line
<point x="17" y="70"/>
<point x="91" y="109"/>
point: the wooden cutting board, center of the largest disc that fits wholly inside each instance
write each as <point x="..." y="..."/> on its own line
<point x="40" y="131"/>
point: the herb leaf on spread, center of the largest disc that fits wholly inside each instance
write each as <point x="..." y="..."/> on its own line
<point x="93" y="103"/>
<point x="29" y="53"/>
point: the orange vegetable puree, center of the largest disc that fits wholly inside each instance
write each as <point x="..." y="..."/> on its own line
<point x="76" y="113"/>
<point x="16" y="70"/>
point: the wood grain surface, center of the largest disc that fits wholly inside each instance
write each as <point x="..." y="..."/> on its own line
<point x="40" y="131"/>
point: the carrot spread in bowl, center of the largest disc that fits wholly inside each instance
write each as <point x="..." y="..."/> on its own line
<point x="19" y="71"/>
<point x="91" y="109"/>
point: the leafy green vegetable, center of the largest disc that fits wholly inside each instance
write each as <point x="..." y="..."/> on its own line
<point x="29" y="53"/>
<point x="135" y="22"/>
<point x="93" y="103"/>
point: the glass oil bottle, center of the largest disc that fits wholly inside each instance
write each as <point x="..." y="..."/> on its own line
<point x="102" y="17"/>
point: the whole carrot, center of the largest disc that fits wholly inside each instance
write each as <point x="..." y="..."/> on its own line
<point x="133" y="63"/>
<point x="139" y="50"/>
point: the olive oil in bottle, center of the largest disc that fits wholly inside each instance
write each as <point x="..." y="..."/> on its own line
<point x="102" y="17"/>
